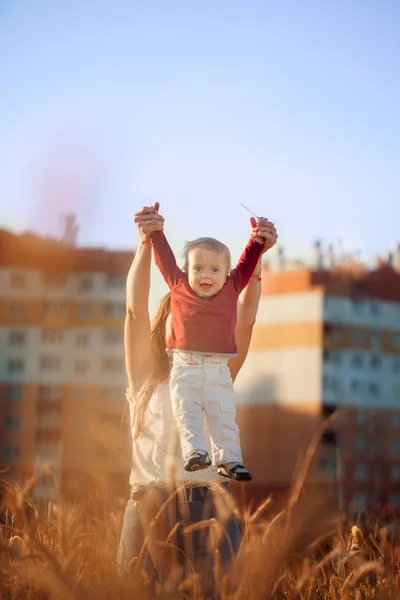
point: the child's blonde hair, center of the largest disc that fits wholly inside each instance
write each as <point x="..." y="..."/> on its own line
<point x="208" y="243"/>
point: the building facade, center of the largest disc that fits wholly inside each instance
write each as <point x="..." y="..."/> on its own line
<point x="62" y="373"/>
<point x="325" y="341"/>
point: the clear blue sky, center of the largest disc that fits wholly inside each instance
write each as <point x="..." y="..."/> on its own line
<point x="290" y="107"/>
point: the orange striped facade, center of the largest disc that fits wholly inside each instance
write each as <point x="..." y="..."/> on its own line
<point x="324" y="341"/>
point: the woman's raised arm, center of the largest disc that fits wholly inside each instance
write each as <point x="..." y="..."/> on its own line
<point x="137" y="320"/>
<point x="249" y="299"/>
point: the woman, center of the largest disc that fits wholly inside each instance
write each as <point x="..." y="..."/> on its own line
<point x="156" y="460"/>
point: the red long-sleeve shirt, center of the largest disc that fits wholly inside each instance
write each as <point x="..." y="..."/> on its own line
<point x="203" y="324"/>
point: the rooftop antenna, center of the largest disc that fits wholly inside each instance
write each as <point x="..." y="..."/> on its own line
<point x="70" y="234"/>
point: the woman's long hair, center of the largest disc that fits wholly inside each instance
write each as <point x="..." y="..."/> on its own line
<point x="160" y="366"/>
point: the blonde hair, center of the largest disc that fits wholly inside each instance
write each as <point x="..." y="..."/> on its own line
<point x="210" y="244"/>
<point x="161" y="365"/>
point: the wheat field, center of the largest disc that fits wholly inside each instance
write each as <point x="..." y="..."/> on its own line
<point x="304" y="551"/>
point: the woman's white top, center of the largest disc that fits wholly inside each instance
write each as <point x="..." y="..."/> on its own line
<point x="157" y="452"/>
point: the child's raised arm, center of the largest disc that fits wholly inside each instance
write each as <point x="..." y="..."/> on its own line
<point x="165" y="259"/>
<point x="243" y="271"/>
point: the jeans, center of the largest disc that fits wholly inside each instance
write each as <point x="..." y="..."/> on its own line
<point x="197" y="504"/>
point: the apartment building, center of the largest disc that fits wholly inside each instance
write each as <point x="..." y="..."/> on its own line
<point x="62" y="374"/>
<point x="326" y="338"/>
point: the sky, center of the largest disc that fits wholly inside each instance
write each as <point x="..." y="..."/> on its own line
<point x="291" y="108"/>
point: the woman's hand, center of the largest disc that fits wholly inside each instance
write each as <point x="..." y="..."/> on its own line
<point x="148" y="221"/>
<point x="264" y="232"/>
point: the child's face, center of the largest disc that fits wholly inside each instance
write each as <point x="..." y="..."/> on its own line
<point x="207" y="271"/>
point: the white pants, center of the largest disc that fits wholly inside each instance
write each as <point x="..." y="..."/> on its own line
<point x="208" y="388"/>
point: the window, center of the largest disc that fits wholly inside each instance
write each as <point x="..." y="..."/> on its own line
<point x="330" y="383"/>
<point x="373" y="389"/>
<point x="394" y="447"/>
<point x="357" y="360"/>
<point x="376" y="419"/>
<point x="14" y="394"/>
<point x="111" y="420"/>
<point x="361" y="444"/>
<point x="395" y="420"/>
<point x="361" y="417"/>
<point x="116" y="281"/>
<point x="16" y="338"/>
<point x="360" y="499"/>
<point x="84" y="311"/>
<point x="48" y="448"/>
<point x="12" y="422"/>
<point x="328" y="410"/>
<point x="395" y="473"/>
<point x="358" y="386"/>
<point x="114" y="309"/>
<point x="327" y="464"/>
<point x="112" y="337"/>
<point x="329" y="438"/>
<point x="79" y="394"/>
<point x="50" y="363"/>
<point x="112" y="365"/>
<point x="396" y="392"/>
<point x="375" y="362"/>
<point x="54" y="280"/>
<point x="375" y="309"/>
<point x="361" y="472"/>
<point x="358" y="306"/>
<point x="332" y="356"/>
<point x="50" y="393"/>
<point x="82" y="338"/>
<point x="11" y="451"/>
<point x="332" y="332"/>
<point x="45" y="490"/>
<point x="396" y="341"/>
<point x="17" y="311"/>
<point x="396" y="366"/>
<point x="81" y="367"/>
<point x="48" y="419"/>
<point x="16" y="365"/>
<point x="85" y="284"/>
<point x="54" y="308"/>
<point x="52" y="336"/>
<point x="375" y="340"/>
<point x="18" y="280"/>
<point x="113" y="394"/>
<point x="358" y="336"/>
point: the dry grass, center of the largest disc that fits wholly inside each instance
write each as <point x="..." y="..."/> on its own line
<point x="303" y="552"/>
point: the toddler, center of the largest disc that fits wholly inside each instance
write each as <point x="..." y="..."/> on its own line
<point x="204" y="298"/>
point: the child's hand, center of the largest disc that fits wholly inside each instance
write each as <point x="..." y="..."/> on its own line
<point x="264" y="232"/>
<point x="148" y="221"/>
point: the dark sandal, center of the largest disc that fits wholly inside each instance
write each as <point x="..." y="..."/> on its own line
<point x="238" y="472"/>
<point x="196" y="461"/>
